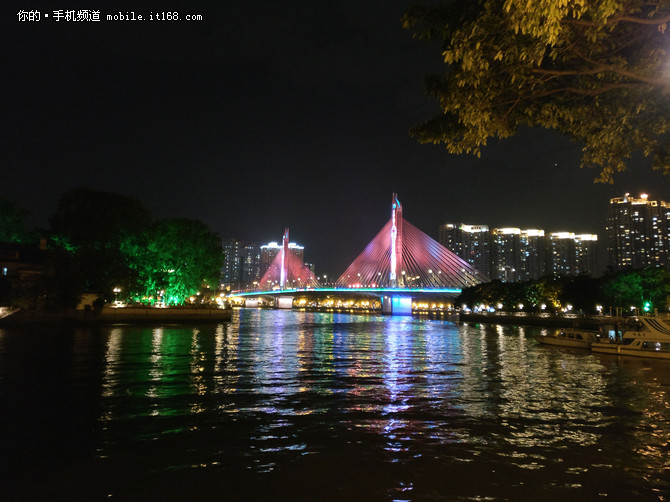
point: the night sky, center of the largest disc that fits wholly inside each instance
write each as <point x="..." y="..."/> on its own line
<point x="265" y="115"/>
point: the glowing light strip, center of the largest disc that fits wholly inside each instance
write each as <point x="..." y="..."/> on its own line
<point x="282" y="272"/>
<point x="394" y="234"/>
<point x="392" y="291"/>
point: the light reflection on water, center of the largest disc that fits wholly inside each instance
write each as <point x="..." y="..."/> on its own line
<point x="281" y="403"/>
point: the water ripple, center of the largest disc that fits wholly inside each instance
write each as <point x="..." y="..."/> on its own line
<point x="282" y="403"/>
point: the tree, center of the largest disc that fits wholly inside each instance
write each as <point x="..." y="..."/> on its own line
<point x="92" y="229"/>
<point x="13" y="222"/>
<point x="635" y="288"/>
<point x="595" y="71"/>
<point x="582" y="292"/>
<point x="656" y="287"/>
<point x="86" y="217"/>
<point x="624" y="289"/>
<point x="181" y="256"/>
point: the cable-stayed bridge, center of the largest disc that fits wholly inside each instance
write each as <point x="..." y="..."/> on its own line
<point x="399" y="264"/>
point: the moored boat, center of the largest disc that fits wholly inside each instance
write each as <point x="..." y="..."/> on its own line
<point x="638" y="337"/>
<point x="569" y="337"/>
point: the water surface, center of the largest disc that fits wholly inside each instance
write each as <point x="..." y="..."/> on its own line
<point x="287" y="405"/>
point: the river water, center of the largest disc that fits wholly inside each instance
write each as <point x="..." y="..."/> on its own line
<point x="289" y="405"/>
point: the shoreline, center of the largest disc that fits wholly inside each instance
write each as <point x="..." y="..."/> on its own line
<point x="175" y="315"/>
<point x="583" y="322"/>
<point x="126" y="315"/>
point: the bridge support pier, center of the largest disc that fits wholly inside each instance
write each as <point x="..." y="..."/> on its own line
<point x="284" y="302"/>
<point x="396" y="305"/>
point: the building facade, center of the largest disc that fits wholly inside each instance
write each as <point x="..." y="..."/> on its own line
<point x="586" y="254"/>
<point x="242" y="264"/>
<point x="532" y="252"/>
<point x="638" y="232"/>
<point x="23" y="269"/>
<point x="506" y="255"/>
<point x="512" y="254"/>
<point x="272" y="249"/>
<point x="245" y="262"/>
<point x="561" y="257"/>
<point x="470" y="242"/>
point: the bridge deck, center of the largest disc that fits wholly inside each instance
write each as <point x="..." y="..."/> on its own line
<point x="354" y="291"/>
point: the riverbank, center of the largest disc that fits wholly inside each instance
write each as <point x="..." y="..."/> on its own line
<point x="110" y="315"/>
<point x="548" y="320"/>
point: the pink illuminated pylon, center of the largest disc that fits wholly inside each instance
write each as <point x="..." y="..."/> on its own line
<point x="395" y="279"/>
<point x="287" y="271"/>
<point x="284" y="259"/>
<point x="401" y="255"/>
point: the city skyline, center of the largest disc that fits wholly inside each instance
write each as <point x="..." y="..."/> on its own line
<point x="264" y="116"/>
<point x="602" y="262"/>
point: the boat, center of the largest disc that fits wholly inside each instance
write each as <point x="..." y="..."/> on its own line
<point x="644" y="336"/>
<point x="570" y="337"/>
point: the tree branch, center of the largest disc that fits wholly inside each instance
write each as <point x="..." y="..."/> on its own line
<point x="562" y="73"/>
<point x="616" y="20"/>
<point x="605" y="67"/>
<point x="585" y="92"/>
<point x="568" y="89"/>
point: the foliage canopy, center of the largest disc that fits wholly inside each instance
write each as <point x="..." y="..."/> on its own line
<point x="597" y="71"/>
<point x="623" y="289"/>
<point x="179" y="258"/>
<point x="13" y="222"/>
<point x="106" y="241"/>
<point x="92" y="227"/>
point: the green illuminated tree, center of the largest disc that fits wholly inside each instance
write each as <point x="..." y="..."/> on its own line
<point x="624" y="289"/>
<point x="637" y="287"/>
<point x="656" y="287"/>
<point x="595" y="71"/>
<point x="181" y="256"/>
<point x="13" y="222"/>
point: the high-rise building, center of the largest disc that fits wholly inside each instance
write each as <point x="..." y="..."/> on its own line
<point x="505" y="254"/>
<point x="451" y="237"/>
<point x="512" y="254"/>
<point x="637" y="232"/>
<point x="586" y="254"/>
<point x="271" y="249"/>
<point x="241" y="266"/>
<point x="570" y="254"/>
<point x="531" y="254"/>
<point x="561" y="253"/>
<point x="470" y="242"/>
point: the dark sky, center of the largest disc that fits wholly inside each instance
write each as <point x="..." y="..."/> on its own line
<point x="268" y="114"/>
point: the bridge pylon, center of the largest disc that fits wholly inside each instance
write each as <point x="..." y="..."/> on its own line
<point x="402" y="256"/>
<point x="287" y="270"/>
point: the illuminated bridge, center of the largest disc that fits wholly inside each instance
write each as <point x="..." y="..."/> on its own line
<point x="399" y="264"/>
